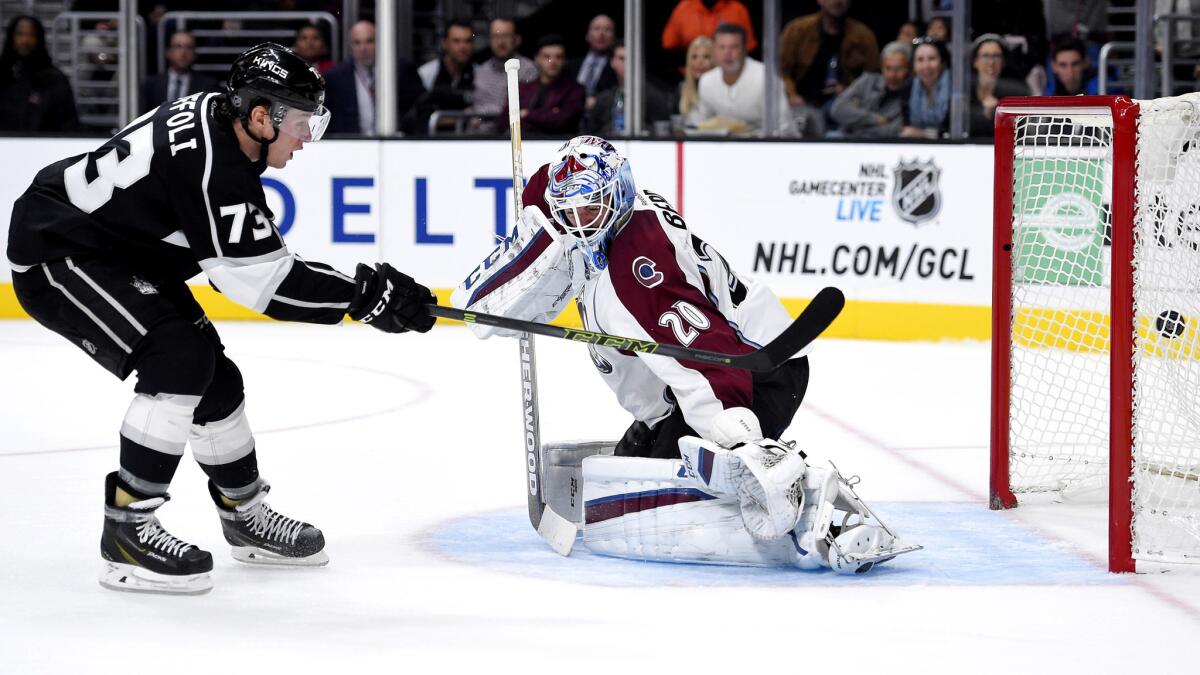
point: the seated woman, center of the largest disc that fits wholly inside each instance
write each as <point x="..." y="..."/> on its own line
<point x="873" y="105"/>
<point x="927" y="114"/>
<point x="699" y="62"/>
<point x="989" y="86"/>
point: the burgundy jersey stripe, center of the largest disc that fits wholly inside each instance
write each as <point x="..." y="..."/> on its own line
<point x="530" y="253"/>
<point x="643" y="237"/>
<point x="608" y="508"/>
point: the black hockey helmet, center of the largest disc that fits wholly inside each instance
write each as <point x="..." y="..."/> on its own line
<point x="274" y="75"/>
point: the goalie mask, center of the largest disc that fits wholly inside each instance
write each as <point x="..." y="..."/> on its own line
<point x="590" y="193"/>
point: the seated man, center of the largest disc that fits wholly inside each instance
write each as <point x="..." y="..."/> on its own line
<point x="873" y="105"/>
<point x="448" y="81"/>
<point x="1072" y="72"/>
<point x="732" y="95"/>
<point x="634" y="269"/>
<point x="551" y="105"/>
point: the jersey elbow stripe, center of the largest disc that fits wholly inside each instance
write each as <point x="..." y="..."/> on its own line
<point x="313" y="305"/>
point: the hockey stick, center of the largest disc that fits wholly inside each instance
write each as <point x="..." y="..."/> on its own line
<point x="813" y="321"/>
<point x="556" y="530"/>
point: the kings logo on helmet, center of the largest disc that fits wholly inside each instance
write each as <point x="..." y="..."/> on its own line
<point x="916" y="191"/>
<point x="268" y="64"/>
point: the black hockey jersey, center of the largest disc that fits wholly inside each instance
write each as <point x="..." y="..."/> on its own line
<point x="174" y="192"/>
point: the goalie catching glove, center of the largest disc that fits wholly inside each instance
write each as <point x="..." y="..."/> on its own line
<point x="390" y="300"/>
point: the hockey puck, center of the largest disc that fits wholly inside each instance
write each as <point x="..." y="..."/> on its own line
<point x="1170" y="324"/>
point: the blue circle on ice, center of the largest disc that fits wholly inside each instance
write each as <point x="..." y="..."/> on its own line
<point x="965" y="544"/>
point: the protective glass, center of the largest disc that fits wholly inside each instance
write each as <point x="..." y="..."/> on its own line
<point x="304" y="125"/>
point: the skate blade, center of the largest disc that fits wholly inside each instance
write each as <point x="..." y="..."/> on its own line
<point x="866" y="561"/>
<point x="253" y="555"/>
<point x="134" y="579"/>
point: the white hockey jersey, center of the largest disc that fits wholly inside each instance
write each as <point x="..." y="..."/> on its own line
<point x="662" y="283"/>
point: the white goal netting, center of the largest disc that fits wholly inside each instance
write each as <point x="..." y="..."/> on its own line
<point x="1060" y="321"/>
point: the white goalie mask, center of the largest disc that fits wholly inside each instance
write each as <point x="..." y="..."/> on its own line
<point x="590" y="193"/>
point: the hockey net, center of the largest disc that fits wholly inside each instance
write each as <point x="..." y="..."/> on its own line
<point x="1096" y="365"/>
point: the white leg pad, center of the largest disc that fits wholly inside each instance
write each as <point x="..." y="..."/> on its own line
<point x="649" y="509"/>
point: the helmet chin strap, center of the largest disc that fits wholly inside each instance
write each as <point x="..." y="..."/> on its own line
<point x="260" y="164"/>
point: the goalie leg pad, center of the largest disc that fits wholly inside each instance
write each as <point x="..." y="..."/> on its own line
<point x="562" y="469"/>
<point x="649" y="509"/>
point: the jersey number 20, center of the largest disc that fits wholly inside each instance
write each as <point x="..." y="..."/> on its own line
<point x="685" y="321"/>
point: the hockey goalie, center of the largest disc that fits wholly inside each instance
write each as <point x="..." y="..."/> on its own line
<point x="700" y="475"/>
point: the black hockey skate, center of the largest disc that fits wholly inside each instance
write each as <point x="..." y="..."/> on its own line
<point x="261" y="536"/>
<point x="141" y="556"/>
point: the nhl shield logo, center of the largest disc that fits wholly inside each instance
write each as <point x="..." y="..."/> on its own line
<point x="916" y="193"/>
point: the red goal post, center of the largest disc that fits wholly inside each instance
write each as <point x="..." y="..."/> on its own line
<point x="1092" y="354"/>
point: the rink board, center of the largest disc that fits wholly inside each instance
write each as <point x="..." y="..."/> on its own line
<point x="904" y="230"/>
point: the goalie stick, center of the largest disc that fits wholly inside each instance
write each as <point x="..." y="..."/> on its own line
<point x="558" y="532"/>
<point x="813" y="321"/>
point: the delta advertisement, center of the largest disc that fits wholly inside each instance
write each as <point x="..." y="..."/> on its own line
<point x="899" y="228"/>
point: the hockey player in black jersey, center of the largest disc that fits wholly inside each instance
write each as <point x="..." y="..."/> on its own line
<point x="101" y="245"/>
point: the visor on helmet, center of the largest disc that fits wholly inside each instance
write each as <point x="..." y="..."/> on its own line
<point x="304" y="125"/>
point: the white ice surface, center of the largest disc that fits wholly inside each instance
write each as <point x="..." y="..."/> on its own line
<point x="406" y="451"/>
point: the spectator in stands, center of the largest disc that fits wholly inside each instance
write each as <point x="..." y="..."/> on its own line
<point x="733" y="95"/>
<point x="908" y="31"/>
<point x="449" y="81"/>
<point x="350" y="86"/>
<point x="938" y="28"/>
<point x="1083" y="19"/>
<point x="593" y="71"/>
<point x="491" y="82"/>
<point x="1071" y="73"/>
<point x="607" y="117"/>
<point x="179" y="80"/>
<point x="873" y="105"/>
<point x="310" y="45"/>
<point x="695" y="18"/>
<point x="990" y="85"/>
<point x="927" y="114"/>
<point x="553" y="104"/>
<point x="699" y="62"/>
<point x="820" y="54"/>
<point x="34" y="95"/>
<point x="1021" y="24"/>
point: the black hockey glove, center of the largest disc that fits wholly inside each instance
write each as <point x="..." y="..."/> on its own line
<point x="390" y="300"/>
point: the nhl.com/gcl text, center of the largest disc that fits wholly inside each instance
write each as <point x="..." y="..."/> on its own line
<point x="915" y="261"/>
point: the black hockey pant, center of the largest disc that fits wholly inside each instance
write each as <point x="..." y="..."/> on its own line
<point x="777" y="397"/>
<point x="130" y="320"/>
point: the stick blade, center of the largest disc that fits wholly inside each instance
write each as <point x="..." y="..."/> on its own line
<point x="813" y="321"/>
<point x="557" y="531"/>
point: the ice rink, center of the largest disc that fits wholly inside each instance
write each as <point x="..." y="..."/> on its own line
<point x="406" y="451"/>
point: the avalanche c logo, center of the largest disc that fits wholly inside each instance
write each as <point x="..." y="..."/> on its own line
<point x="645" y="271"/>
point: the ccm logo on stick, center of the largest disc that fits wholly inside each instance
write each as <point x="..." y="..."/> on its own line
<point x="646" y="272"/>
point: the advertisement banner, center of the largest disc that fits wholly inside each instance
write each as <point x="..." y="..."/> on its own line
<point x="895" y="226"/>
<point x="893" y="223"/>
